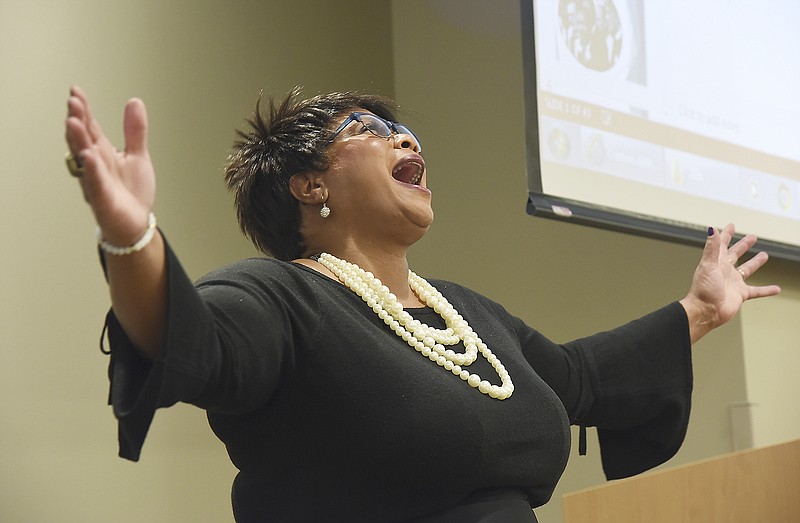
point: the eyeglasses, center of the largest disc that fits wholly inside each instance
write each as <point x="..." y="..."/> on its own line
<point x="375" y="125"/>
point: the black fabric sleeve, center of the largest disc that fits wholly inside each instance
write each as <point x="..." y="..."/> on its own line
<point x="633" y="383"/>
<point x="642" y="378"/>
<point x="217" y="355"/>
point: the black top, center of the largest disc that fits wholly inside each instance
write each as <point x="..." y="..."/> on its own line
<point x="329" y="416"/>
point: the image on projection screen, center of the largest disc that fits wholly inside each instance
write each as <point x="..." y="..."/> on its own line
<point x="683" y="110"/>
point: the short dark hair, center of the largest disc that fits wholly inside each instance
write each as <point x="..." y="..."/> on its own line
<point x="274" y="147"/>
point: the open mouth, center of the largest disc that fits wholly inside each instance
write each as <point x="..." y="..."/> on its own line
<point x="409" y="169"/>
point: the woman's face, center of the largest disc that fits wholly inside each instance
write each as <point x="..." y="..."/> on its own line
<point x="378" y="185"/>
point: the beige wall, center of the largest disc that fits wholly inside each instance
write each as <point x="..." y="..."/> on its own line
<point x="199" y="66"/>
<point x="772" y="360"/>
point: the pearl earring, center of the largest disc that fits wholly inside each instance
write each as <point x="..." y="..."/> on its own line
<point x="325" y="211"/>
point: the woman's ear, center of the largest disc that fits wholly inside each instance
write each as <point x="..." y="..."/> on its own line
<point x="308" y="188"/>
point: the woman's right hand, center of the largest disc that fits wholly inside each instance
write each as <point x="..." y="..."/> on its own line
<point x="119" y="186"/>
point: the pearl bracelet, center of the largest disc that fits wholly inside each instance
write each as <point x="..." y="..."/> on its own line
<point x="146" y="238"/>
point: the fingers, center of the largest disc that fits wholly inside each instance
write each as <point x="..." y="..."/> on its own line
<point x="93" y="177"/>
<point x="117" y="185"/>
<point x="78" y="107"/>
<point x="135" y="127"/>
<point x="753" y="264"/>
<point x="763" y="292"/>
<point x="717" y="251"/>
<point x="738" y="249"/>
<point x="76" y="136"/>
<point x="86" y="146"/>
<point x="714" y="243"/>
<point x="726" y="234"/>
<point x="80" y="94"/>
<point x="741" y="247"/>
<point x="82" y="101"/>
<point x="83" y="132"/>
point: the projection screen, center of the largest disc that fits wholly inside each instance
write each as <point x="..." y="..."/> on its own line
<point x="665" y="117"/>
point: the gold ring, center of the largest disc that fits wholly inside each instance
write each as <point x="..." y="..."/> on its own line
<point x="74" y="167"/>
<point x="742" y="273"/>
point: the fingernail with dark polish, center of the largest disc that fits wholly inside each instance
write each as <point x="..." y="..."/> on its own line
<point x="710" y="232"/>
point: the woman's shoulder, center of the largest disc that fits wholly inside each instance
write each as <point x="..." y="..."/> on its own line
<point x="468" y="297"/>
<point x="455" y="291"/>
<point x="288" y="285"/>
<point x="257" y="270"/>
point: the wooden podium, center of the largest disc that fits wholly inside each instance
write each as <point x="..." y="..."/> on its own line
<point x="756" y="485"/>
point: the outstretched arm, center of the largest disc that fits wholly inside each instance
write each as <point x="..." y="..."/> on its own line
<point x="119" y="186"/>
<point x="719" y="286"/>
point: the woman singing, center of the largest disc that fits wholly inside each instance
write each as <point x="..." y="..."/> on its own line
<point x="345" y="386"/>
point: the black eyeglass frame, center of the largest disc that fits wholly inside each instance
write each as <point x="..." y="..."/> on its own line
<point x="391" y="127"/>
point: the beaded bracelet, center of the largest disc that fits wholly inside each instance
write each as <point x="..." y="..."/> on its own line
<point x="146" y="238"/>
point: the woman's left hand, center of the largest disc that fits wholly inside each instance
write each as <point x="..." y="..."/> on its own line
<point x="719" y="286"/>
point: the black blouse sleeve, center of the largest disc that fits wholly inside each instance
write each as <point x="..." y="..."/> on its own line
<point x="220" y="354"/>
<point x="633" y="383"/>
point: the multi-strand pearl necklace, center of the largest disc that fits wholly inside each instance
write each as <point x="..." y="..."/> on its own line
<point x="426" y="340"/>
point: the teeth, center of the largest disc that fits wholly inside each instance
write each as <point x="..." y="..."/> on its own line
<point x="414" y="178"/>
<point x="417" y="177"/>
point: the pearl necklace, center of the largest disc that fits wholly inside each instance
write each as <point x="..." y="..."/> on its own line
<point x="426" y="340"/>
